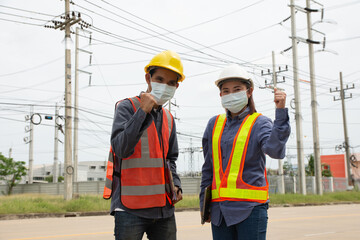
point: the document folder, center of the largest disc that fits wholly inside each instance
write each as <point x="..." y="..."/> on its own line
<point x="205" y="211"/>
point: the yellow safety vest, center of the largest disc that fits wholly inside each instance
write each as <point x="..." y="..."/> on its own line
<point x="229" y="185"/>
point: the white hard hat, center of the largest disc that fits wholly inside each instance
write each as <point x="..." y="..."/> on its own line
<point x="234" y="72"/>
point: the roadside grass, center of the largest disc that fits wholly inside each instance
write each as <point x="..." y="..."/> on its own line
<point x="40" y="203"/>
<point x="336" y="197"/>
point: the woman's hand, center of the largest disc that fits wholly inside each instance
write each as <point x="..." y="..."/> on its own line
<point x="279" y="98"/>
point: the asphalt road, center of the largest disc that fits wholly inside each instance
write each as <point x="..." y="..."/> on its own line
<point x="328" y="222"/>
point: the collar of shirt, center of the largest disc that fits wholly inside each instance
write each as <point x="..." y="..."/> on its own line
<point x="237" y="117"/>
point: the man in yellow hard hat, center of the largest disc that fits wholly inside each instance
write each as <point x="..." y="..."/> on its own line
<point x="141" y="175"/>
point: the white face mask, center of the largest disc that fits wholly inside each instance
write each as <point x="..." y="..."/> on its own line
<point x="162" y="92"/>
<point x="235" y="102"/>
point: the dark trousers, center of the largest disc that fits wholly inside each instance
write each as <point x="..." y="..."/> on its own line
<point x="252" y="228"/>
<point x="132" y="227"/>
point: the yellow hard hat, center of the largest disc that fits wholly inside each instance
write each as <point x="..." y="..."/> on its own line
<point x="167" y="59"/>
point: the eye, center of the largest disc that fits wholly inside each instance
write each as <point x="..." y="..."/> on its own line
<point x="172" y="83"/>
<point x="159" y="79"/>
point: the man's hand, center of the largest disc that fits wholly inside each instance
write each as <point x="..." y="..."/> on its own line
<point x="147" y="102"/>
<point x="178" y="195"/>
<point x="279" y="98"/>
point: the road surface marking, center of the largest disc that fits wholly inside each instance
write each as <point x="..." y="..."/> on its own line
<point x="318" y="234"/>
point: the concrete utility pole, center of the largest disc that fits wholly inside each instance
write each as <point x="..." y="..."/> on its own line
<point x="76" y="105"/>
<point x="31" y="146"/>
<point x="346" y="143"/>
<point x="298" y="116"/>
<point x="347" y="152"/>
<point x="70" y="18"/>
<point x="319" y="189"/>
<point x="76" y="101"/>
<point x="69" y="170"/>
<point x="281" y="183"/>
<point x="10" y="152"/>
<point x="56" y="142"/>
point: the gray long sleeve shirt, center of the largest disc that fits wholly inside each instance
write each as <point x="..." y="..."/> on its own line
<point x="128" y="126"/>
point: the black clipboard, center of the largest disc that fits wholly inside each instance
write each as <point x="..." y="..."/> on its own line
<point x="205" y="211"/>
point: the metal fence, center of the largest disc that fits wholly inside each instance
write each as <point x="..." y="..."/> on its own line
<point x="292" y="184"/>
<point x="190" y="185"/>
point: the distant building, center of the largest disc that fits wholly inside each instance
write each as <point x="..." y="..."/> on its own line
<point x="337" y="165"/>
<point x="87" y="171"/>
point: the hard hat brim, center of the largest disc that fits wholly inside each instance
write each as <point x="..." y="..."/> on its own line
<point x="220" y="81"/>
<point x="181" y="76"/>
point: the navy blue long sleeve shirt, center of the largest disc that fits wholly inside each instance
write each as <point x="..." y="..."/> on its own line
<point x="266" y="138"/>
<point x="128" y="126"/>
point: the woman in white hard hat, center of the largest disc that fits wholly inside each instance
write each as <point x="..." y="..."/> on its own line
<point x="234" y="146"/>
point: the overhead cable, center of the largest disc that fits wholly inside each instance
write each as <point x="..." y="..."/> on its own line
<point x="24" y="10"/>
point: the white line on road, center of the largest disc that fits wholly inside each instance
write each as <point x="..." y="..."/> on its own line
<point x="317" y="234"/>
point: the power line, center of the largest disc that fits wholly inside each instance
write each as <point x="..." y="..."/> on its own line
<point x="15" y="15"/>
<point x="341" y="5"/>
<point x="29" y="11"/>
<point x="343" y="39"/>
<point x="24" y="88"/>
<point x="119" y="46"/>
<point x="176" y="42"/>
<point x="32" y="68"/>
<point x="198" y="24"/>
<point x="26" y="23"/>
<point x="245" y="35"/>
<point x="188" y="135"/>
<point x="173" y="41"/>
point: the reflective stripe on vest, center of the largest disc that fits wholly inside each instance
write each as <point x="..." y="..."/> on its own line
<point x="109" y="175"/>
<point x="229" y="185"/>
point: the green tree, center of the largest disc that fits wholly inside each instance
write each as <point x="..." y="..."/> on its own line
<point x="11" y="172"/>
<point x="310" y="169"/>
<point x="326" y="173"/>
<point x="50" y="178"/>
<point x="288" y="169"/>
<point x="60" y="179"/>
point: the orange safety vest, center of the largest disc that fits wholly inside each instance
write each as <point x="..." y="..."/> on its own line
<point x="143" y="179"/>
<point x="229" y="185"/>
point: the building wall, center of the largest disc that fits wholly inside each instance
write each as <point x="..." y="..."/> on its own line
<point x="336" y="163"/>
<point x="189" y="186"/>
<point x="87" y="171"/>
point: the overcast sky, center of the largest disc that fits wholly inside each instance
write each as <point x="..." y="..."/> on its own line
<point x="208" y="35"/>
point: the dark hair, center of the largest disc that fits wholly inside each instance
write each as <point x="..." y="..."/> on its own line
<point x="152" y="71"/>
<point x="251" y="103"/>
